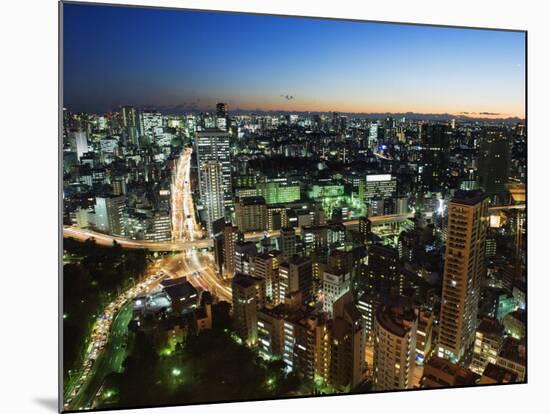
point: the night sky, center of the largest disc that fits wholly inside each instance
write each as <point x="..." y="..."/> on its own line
<point x="190" y="60"/>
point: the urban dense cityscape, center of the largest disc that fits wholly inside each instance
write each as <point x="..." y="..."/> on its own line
<point x="226" y="254"/>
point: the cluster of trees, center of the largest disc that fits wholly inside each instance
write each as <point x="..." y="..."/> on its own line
<point x="208" y="367"/>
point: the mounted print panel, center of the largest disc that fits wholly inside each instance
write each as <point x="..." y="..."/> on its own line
<point x="259" y="207"/>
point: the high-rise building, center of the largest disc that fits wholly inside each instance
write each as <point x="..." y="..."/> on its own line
<point x="424" y="333"/>
<point x="221" y="122"/>
<point x="336" y="283"/>
<point x="314" y="237"/>
<point x="251" y="214"/>
<point x="463" y="273"/>
<point x="266" y="267"/>
<point x="81" y="143"/>
<point x="271" y="331"/>
<point x="151" y="124"/>
<point x="211" y="192"/>
<point x="380" y="276"/>
<point x="245" y="255"/>
<point x="489" y="335"/>
<point x="129" y="116"/>
<point x="108" y="214"/>
<point x="493" y="163"/>
<point x="221" y="110"/>
<point x="218" y="240"/>
<point x="367" y="304"/>
<point x="347" y="345"/>
<point x="394" y="345"/>
<point x="161" y="227"/>
<point x="131" y="123"/>
<point x="372" y="140"/>
<point x="276" y="217"/>
<point x="365" y="229"/>
<point x="230" y="238"/>
<point x="245" y="292"/>
<point x="288" y="241"/>
<point x="380" y="194"/>
<point x="296" y="276"/>
<point x="434" y="166"/>
<point x="213" y="145"/>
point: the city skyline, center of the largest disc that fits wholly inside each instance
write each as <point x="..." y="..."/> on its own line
<point x="145" y="57"/>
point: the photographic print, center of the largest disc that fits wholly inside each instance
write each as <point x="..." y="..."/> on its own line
<point x="258" y="207"/>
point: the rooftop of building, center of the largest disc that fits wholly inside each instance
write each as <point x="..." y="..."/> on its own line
<point x="499" y="374"/>
<point x="183" y="290"/>
<point x="293" y="314"/>
<point x="211" y="131"/>
<point x="461" y="375"/>
<point x="383" y="250"/>
<point x="468" y="197"/>
<point x="490" y="326"/>
<point x="251" y="201"/>
<point x="352" y="312"/>
<point x="514" y="350"/>
<point x="243" y="280"/>
<point x="296" y="260"/>
<point x="519" y="315"/>
<point x="396" y="315"/>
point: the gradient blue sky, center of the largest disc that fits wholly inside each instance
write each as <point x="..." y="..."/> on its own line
<point x="153" y="57"/>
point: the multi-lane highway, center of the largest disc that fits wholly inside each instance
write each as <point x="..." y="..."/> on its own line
<point x="107" y="240"/>
<point x="199" y="265"/>
<point x="184" y="225"/>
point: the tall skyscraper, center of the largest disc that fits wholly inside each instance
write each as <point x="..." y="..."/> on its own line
<point x="130" y="122"/>
<point x="221" y="110"/>
<point x="212" y="145"/>
<point x="365" y="229"/>
<point x="81" y="143"/>
<point x="347" y="348"/>
<point x="433" y="170"/>
<point x="230" y="238"/>
<point x="129" y="116"/>
<point x="464" y="270"/>
<point x="394" y="345"/>
<point x="245" y="303"/>
<point x="493" y="163"/>
<point x="211" y="192"/>
<point x="372" y="140"/>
